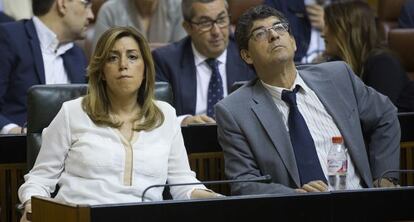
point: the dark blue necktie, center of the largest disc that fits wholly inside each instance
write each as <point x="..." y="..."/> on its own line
<point x="303" y="146"/>
<point x="215" y="87"/>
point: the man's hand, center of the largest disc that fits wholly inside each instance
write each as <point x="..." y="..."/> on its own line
<point x="385" y="183"/>
<point x="17" y="130"/>
<point x="316" y="16"/>
<point x="198" y="119"/>
<point x="313" y="186"/>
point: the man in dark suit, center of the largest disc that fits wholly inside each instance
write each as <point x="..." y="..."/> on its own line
<point x="202" y="67"/>
<point x="282" y="123"/>
<point x="40" y="51"/>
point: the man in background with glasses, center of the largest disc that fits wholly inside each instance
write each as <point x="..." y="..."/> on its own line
<point x="202" y="67"/>
<point x="40" y="51"/>
<point x="282" y="123"/>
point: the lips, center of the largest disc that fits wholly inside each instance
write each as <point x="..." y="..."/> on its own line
<point x="124" y="77"/>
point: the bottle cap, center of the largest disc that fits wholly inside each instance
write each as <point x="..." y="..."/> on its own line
<point x="337" y="139"/>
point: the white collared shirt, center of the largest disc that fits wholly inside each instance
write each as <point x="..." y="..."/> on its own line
<point x="52" y="52"/>
<point x="95" y="164"/>
<point x="321" y="125"/>
<point x="203" y="73"/>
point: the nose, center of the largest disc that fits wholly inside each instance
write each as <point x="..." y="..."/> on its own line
<point x="90" y="15"/>
<point x="272" y="35"/>
<point x="123" y="63"/>
<point x="215" y="29"/>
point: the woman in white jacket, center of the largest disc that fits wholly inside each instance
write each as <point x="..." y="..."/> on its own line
<point x="110" y="145"/>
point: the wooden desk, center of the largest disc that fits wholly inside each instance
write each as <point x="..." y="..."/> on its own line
<point x="359" y="205"/>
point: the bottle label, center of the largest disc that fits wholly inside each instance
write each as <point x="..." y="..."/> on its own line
<point x="337" y="166"/>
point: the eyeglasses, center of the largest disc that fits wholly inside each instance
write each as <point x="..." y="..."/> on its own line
<point x="86" y="3"/>
<point x="263" y="33"/>
<point x="207" y="24"/>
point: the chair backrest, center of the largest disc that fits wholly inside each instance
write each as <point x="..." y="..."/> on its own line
<point x="45" y="101"/>
<point x="401" y="41"/>
<point x="388" y="13"/>
<point x="238" y="7"/>
<point x="407" y="146"/>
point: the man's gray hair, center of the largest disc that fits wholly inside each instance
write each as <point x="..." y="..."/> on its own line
<point x="187" y="7"/>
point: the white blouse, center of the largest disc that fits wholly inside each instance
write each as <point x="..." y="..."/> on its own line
<point x="96" y="165"/>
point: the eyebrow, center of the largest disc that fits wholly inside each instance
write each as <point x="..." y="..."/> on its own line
<point x="128" y="50"/>
<point x="209" y="18"/>
<point x="260" y="27"/>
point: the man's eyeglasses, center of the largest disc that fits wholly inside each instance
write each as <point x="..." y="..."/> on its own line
<point x="86" y="3"/>
<point x="206" y="25"/>
<point x="263" y="33"/>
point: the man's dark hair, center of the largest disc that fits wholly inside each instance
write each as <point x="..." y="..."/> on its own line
<point x="41" y="7"/>
<point x="245" y="22"/>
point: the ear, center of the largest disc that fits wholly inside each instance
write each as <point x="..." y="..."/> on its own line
<point x="187" y="27"/>
<point x="244" y="53"/>
<point x="61" y="7"/>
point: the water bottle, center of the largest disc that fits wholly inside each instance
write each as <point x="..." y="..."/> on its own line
<point x="337" y="164"/>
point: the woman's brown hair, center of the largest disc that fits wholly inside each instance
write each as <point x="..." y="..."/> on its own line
<point x="352" y="25"/>
<point x="97" y="104"/>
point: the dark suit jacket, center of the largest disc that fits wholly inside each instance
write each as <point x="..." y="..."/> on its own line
<point x="255" y="141"/>
<point x="295" y="12"/>
<point x="5" y="18"/>
<point x="21" y="66"/>
<point x="175" y="64"/>
<point x="406" y="19"/>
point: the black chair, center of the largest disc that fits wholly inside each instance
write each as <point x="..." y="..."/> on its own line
<point x="407" y="146"/>
<point x="44" y="102"/>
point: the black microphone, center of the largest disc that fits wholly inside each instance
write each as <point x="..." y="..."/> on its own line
<point x="393" y="171"/>
<point x="263" y="179"/>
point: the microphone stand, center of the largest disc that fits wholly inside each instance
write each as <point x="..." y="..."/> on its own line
<point x="264" y="179"/>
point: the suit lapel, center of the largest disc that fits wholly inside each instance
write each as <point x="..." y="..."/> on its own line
<point x="271" y="120"/>
<point x="232" y="65"/>
<point x="73" y="68"/>
<point x="188" y="80"/>
<point x="36" y="51"/>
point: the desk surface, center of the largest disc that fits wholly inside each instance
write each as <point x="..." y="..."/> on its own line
<point x="357" y="205"/>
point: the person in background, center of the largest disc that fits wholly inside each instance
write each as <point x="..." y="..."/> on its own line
<point x="406" y="19"/>
<point x="202" y="67"/>
<point x="306" y="20"/>
<point x="351" y="35"/>
<point x="40" y="51"/>
<point x="158" y="20"/>
<point x="113" y="143"/>
<point x="282" y="123"/>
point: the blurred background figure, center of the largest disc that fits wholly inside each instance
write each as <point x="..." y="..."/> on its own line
<point x="40" y="51"/>
<point x="306" y="21"/>
<point x="406" y="19"/>
<point x="351" y="35"/>
<point x="160" y="21"/>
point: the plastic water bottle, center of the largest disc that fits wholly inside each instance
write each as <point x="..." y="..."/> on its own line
<point x="337" y="164"/>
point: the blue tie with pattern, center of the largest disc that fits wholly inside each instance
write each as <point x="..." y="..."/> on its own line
<point x="215" y="87"/>
<point x="303" y="146"/>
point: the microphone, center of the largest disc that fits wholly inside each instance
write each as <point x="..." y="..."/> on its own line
<point x="263" y="179"/>
<point x="393" y="171"/>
